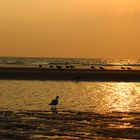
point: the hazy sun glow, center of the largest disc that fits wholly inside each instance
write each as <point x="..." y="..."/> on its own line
<point x="68" y="28"/>
<point x="123" y="6"/>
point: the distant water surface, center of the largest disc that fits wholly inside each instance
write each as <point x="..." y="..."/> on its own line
<point x="29" y="61"/>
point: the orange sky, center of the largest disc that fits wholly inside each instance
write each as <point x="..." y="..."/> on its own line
<point x="70" y="28"/>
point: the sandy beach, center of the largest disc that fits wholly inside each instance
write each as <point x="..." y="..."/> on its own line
<point x="34" y="73"/>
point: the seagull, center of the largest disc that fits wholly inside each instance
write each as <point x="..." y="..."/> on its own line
<point x="40" y="66"/>
<point x="71" y="66"/>
<point x="101" y="68"/>
<point x="54" y="102"/>
<point x="67" y="66"/>
<point x="92" y="67"/>
<point x="51" y="66"/>
<point x="59" y="67"/>
<point x="122" y="68"/>
<point x="128" y="68"/>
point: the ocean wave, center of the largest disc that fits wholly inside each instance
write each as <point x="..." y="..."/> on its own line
<point x="67" y="61"/>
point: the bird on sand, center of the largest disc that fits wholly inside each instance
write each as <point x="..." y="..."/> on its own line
<point x="54" y="102"/>
<point x="92" y="67"/>
<point x="128" y="68"/>
<point x="101" y="68"/>
<point x="122" y="68"/>
<point x="40" y="66"/>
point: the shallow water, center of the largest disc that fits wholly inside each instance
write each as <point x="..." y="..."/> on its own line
<point x="72" y="125"/>
<point x="79" y="96"/>
<point x="86" y="110"/>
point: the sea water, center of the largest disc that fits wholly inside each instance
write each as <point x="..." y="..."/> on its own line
<point x="34" y="61"/>
<point x="78" y="96"/>
<point x="86" y="110"/>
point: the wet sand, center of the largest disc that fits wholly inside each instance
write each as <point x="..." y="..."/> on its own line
<point x="41" y="125"/>
<point x="33" y="73"/>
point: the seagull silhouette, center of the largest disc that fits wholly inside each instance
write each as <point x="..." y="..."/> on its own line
<point x="101" y="68"/>
<point x="54" y="102"/>
<point x="40" y="66"/>
<point x="128" y="68"/>
<point x="92" y="67"/>
<point x="122" y="68"/>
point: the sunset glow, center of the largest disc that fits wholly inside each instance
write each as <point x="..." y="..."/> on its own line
<point x="103" y="28"/>
<point x="124" y="6"/>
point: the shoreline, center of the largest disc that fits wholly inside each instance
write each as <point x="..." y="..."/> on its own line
<point x="35" y="73"/>
<point x="37" y="124"/>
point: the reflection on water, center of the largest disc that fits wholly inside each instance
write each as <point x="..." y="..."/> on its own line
<point x="99" y="97"/>
<point x="87" y="110"/>
<point x="115" y="96"/>
<point x="53" y="109"/>
<point x="125" y="97"/>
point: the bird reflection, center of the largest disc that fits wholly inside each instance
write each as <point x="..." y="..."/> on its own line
<point x="53" y="105"/>
<point x="54" y="110"/>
